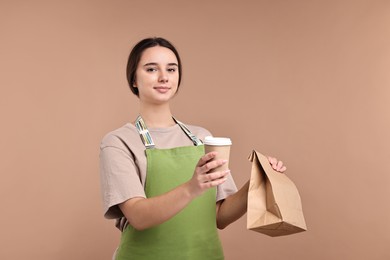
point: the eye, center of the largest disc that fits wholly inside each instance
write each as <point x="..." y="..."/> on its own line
<point x="151" y="69"/>
<point x="171" y="69"/>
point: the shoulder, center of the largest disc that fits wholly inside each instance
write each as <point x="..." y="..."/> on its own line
<point x="121" y="138"/>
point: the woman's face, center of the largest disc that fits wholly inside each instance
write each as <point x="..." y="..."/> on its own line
<point x="157" y="75"/>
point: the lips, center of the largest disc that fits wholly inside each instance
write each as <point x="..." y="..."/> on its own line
<point x="162" y="89"/>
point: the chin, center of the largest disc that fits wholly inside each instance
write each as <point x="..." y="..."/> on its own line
<point x="162" y="100"/>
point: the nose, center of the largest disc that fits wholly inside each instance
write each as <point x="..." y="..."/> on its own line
<point x="163" y="77"/>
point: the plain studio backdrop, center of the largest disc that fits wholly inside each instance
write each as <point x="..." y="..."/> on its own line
<point x="305" y="81"/>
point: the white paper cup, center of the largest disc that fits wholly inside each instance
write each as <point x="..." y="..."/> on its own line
<point x="221" y="145"/>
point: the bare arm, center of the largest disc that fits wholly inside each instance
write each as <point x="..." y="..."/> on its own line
<point x="235" y="206"/>
<point x="145" y="213"/>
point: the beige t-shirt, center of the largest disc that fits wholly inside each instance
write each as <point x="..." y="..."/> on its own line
<point x="123" y="163"/>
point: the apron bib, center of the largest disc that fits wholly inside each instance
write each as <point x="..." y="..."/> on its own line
<point x="192" y="233"/>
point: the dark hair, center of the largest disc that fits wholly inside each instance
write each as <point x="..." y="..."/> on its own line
<point x="136" y="53"/>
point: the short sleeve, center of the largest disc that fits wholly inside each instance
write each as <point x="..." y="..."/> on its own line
<point x="120" y="179"/>
<point x="226" y="189"/>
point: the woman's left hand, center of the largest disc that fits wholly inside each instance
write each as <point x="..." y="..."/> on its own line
<point x="276" y="164"/>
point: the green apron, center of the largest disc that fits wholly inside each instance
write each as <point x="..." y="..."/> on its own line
<point x="192" y="233"/>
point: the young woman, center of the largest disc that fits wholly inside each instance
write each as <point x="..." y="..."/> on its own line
<point x="155" y="176"/>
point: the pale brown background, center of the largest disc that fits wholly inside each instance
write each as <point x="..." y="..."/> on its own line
<point x="306" y="81"/>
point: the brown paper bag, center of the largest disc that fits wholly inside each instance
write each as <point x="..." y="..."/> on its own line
<point x="274" y="204"/>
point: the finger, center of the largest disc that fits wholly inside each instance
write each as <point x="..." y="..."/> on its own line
<point x="279" y="165"/>
<point x="214" y="183"/>
<point x="206" y="158"/>
<point x="211" y="165"/>
<point x="283" y="169"/>
<point x="214" y="176"/>
<point x="272" y="161"/>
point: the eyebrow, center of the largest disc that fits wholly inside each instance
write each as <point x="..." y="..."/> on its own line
<point x="155" y="64"/>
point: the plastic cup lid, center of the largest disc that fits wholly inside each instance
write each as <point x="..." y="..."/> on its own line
<point x="210" y="140"/>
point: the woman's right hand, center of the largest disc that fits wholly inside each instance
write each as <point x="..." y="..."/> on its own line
<point x="143" y="213"/>
<point x="203" y="179"/>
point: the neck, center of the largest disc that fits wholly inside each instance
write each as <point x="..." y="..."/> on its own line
<point x="157" y="116"/>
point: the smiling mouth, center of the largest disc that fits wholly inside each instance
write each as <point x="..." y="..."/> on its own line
<point x="162" y="89"/>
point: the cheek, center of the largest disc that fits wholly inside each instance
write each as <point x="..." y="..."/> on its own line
<point x="176" y="78"/>
<point x="142" y="79"/>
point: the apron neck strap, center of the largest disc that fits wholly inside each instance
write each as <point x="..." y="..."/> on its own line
<point x="147" y="138"/>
